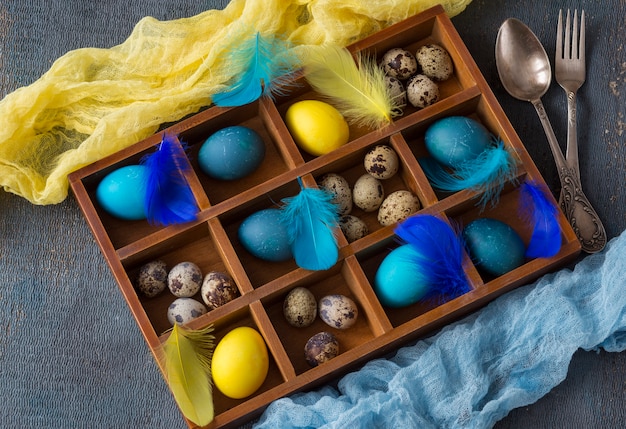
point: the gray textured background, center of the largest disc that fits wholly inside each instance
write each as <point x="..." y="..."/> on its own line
<point x="70" y="352"/>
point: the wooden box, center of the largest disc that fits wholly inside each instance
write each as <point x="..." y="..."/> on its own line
<point x="211" y="242"/>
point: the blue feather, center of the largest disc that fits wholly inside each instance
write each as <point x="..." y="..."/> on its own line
<point x="536" y="208"/>
<point x="310" y="218"/>
<point x="264" y="66"/>
<point x="169" y="199"/>
<point x="487" y="174"/>
<point x="438" y="254"/>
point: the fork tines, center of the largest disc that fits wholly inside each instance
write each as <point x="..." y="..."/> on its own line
<point x="564" y="48"/>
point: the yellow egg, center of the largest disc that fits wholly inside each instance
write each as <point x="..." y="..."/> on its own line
<point x="316" y="127"/>
<point x="240" y="363"/>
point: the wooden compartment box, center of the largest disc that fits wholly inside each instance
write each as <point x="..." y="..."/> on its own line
<point x="211" y="242"/>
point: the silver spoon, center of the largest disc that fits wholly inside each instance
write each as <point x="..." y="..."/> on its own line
<point x="525" y="72"/>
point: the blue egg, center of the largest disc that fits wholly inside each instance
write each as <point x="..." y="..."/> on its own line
<point x="264" y="235"/>
<point x="122" y="192"/>
<point x="456" y="139"/>
<point x="398" y="283"/>
<point x="494" y="246"/>
<point x="231" y="153"/>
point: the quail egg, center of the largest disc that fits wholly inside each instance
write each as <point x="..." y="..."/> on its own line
<point x="435" y="62"/>
<point x="422" y="91"/>
<point x="353" y="228"/>
<point x="339" y="188"/>
<point x="184" y="279"/>
<point x="300" y="307"/>
<point x="399" y="63"/>
<point x="368" y="193"/>
<point x="183" y="310"/>
<point x="398" y="206"/>
<point x="381" y="162"/>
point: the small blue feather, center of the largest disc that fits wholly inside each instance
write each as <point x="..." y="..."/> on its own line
<point x="438" y="254"/>
<point x="487" y="174"/>
<point x="310" y="218"/>
<point x="536" y="208"/>
<point x="263" y="65"/>
<point x="169" y="199"/>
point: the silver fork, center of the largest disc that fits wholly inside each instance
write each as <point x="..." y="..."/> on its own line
<point x="570" y="70"/>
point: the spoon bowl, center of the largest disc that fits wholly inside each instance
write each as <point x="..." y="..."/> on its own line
<point x="522" y="62"/>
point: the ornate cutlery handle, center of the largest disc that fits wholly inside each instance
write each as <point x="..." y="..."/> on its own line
<point x="577" y="208"/>
<point x="581" y="215"/>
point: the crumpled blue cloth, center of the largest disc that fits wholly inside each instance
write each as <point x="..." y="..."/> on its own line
<point x="474" y="371"/>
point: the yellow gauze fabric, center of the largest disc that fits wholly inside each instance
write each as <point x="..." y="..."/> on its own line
<point x="94" y="102"/>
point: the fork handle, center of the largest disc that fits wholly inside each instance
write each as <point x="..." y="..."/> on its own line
<point x="571" y="154"/>
<point x="577" y="209"/>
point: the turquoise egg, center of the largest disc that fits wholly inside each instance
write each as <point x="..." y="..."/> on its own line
<point x="494" y="246"/>
<point x="231" y="153"/>
<point x="263" y="235"/>
<point x="122" y="192"/>
<point x="398" y="283"/>
<point x="456" y="139"/>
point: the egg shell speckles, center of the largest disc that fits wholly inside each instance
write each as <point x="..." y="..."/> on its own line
<point x="321" y="348"/>
<point x="422" y="91"/>
<point x="300" y="307"/>
<point x="396" y="90"/>
<point x="381" y="162"/>
<point x="184" y="279"/>
<point x="353" y="228"/>
<point x="338" y="311"/>
<point x="152" y="278"/>
<point x="218" y="289"/>
<point x="398" y="206"/>
<point x="183" y="310"/>
<point x="368" y="193"/>
<point x="435" y="62"/>
<point x="399" y="63"/>
<point x="339" y="188"/>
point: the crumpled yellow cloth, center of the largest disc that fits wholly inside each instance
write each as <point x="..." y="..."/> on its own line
<point x="94" y="102"/>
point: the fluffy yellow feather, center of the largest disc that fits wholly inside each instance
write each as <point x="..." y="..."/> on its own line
<point x="186" y="362"/>
<point x="356" y="88"/>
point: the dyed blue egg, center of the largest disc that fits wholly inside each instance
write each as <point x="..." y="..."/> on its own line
<point x="494" y="246"/>
<point x="231" y="153"/>
<point x="398" y="282"/>
<point x="122" y="192"/>
<point x="455" y="139"/>
<point x="263" y="235"/>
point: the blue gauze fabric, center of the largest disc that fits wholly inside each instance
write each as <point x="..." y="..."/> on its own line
<point x="474" y="371"/>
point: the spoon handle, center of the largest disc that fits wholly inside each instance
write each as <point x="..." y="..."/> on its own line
<point x="578" y="210"/>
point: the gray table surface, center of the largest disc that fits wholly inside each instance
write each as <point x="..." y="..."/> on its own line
<point x="70" y="353"/>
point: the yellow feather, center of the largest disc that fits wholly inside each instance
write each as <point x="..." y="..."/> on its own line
<point x="186" y="362"/>
<point x="356" y="89"/>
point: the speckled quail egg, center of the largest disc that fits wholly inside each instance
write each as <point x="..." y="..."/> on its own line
<point x="435" y="62"/>
<point x="321" y="348"/>
<point x="338" y="311"/>
<point x="184" y="279"/>
<point x="217" y="289"/>
<point x="300" y="307"/>
<point x="399" y="63"/>
<point x="152" y="278"/>
<point x="353" y="228"/>
<point x="396" y="90"/>
<point x="422" y="91"/>
<point x="368" y="193"/>
<point x="398" y="206"/>
<point x="339" y="188"/>
<point x="183" y="310"/>
<point x="382" y="162"/>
